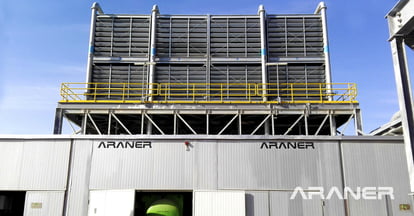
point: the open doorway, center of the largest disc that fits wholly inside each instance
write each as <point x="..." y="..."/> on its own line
<point x="181" y="201"/>
<point x="12" y="203"/>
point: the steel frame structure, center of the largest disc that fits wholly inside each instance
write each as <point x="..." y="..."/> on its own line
<point x="263" y="50"/>
<point x="401" y="28"/>
<point x="210" y="119"/>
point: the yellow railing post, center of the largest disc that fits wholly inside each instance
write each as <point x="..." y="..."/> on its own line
<point x="221" y="92"/>
<point x="194" y="92"/>
<point x="95" y="91"/>
<point x="248" y="89"/>
<point x="166" y="92"/>
<point x="320" y="93"/>
<point x="123" y="92"/>
<point x="344" y="92"/>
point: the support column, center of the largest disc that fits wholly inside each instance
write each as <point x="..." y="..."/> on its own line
<point x="95" y="10"/>
<point x="332" y="123"/>
<point x="153" y="52"/>
<point x="358" y="123"/>
<point x="263" y="50"/>
<point x="57" y="129"/>
<point x="322" y="10"/>
<point x="208" y="58"/>
<point x="402" y="80"/>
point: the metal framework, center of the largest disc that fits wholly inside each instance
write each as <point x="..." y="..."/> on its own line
<point x="213" y="119"/>
<point x="208" y="74"/>
<point x="401" y="26"/>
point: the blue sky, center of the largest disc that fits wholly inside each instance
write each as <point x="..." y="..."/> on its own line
<point x="45" y="43"/>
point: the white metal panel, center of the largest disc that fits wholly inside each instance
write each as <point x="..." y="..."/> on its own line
<point x="219" y="203"/>
<point x="205" y="163"/>
<point x="111" y="202"/>
<point x="245" y="165"/>
<point x="378" y="164"/>
<point x="167" y="165"/>
<point x="282" y="205"/>
<point x="80" y="174"/>
<point x="44" y="203"/>
<point x="34" y="164"/>
<point x="369" y="207"/>
<point x="331" y="176"/>
<point x="257" y="203"/>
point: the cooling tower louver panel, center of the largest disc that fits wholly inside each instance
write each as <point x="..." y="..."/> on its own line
<point x="114" y="80"/>
<point x="306" y="80"/>
<point x="295" y="36"/>
<point x="235" y="37"/>
<point x="181" y="37"/>
<point x="122" y="36"/>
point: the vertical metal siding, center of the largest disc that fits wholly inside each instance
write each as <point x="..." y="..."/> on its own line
<point x="219" y="203"/>
<point x="377" y="165"/>
<point x="79" y="184"/>
<point x="167" y="165"/>
<point x="243" y="165"/>
<point x="257" y="203"/>
<point x="111" y="203"/>
<point x="205" y="165"/>
<point x="282" y="205"/>
<point x="331" y="176"/>
<point x="369" y="208"/>
<point x="43" y="203"/>
<point x="34" y="165"/>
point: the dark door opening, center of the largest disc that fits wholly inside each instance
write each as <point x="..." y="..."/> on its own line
<point x="12" y="203"/>
<point x="148" y="203"/>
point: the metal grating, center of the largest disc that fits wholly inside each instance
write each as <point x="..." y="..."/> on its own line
<point x="304" y="76"/>
<point x="121" y="36"/>
<point x="111" y="79"/>
<point x="207" y="50"/>
<point x="181" y="37"/>
<point x="295" y="36"/>
<point x="235" y="37"/>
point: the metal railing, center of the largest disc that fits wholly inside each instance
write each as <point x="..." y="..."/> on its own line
<point x="208" y="93"/>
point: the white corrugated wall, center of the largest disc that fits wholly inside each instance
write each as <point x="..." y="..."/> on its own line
<point x="34" y="164"/>
<point x="44" y="203"/>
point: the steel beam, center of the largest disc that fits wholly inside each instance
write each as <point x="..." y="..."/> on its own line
<point x="57" y="129"/>
<point x="345" y="126"/>
<point x="122" y="125"/>
<point x="95" y="10"/>
<point x="358" y="123"/>
<point x="402" y="79"/>
<point x="228" y="124"/>
<point x="258" y="127"/>
<point x="71" y="125"/>
<point x="294" y="124"/>
<point x="322" y="10"/>
<point x="153" y="51"/>
<point x="84" y="123"/>
<point x="153" y="123"/>
<point x="320" y="126"/>
<point x="94" y="124"/>
<point x="332" y="123"/>
<point x="185" y="122"/>
<point x="263" y="51"/>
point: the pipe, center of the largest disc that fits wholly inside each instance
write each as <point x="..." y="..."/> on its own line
<point x="95" y="10"/>
<point x="153" y="52"/>
<point x="263" y="51"/>
<point x="328" y="76"/>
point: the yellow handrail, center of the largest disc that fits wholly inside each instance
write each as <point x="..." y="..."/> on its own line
<point x="208" y="93"/>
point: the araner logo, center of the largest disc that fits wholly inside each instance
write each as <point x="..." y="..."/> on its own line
<point x="287" y="145"/>
<point x="125" y="144"/>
